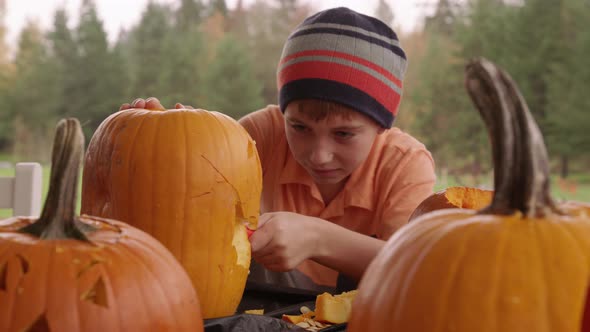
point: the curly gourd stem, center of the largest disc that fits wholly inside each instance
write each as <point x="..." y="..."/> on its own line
<point x="58" y="218"/>
<point x="521" y="164"/>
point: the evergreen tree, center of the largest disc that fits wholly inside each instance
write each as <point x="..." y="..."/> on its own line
<point x="6" y="76"/>
<point x="568" y="104"/>
<point x="230" y="86"/>
<point x="64" y="58"/>
<point x="269" y="28"/>
<point x="100" y="88"/>
<point x="147" y="53"/>
<point x="181" y="69"/>
<point x="218" y="6"/>
<point x="30" y="95"/>
<point x="189" y="14"/>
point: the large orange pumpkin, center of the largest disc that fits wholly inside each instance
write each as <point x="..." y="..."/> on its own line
<point x="63" y="273"/>
<point x="192" y="179"/>
<point x="521" y="264"/>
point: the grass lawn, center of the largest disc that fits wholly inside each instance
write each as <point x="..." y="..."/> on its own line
<point x="576" y="188"/>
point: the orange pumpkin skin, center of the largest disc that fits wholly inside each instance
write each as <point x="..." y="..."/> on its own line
<point x="123" y="280"/>
<point x="190" y="178"/>
<point x="454" y="197"/>
<point x="456" y="270"/>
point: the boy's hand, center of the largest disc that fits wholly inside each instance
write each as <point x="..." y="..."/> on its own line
<point x="152" y="103"/>
<point x="284" y="239"/>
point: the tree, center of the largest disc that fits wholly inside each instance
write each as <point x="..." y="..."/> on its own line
<point x="6" y="75"/>
<point x="230" y="85"/>
<point x="568" y="103"/>
<point x="29" y="94"/>
<point x="64" y="58"/>
<point x="181" y="68"/>
<point x="146" y="53"/>
<point x="270" y="26"/>
<point x="100" y="87"/>
<point x="218" y="6"/>
<point x="189" y="14"/>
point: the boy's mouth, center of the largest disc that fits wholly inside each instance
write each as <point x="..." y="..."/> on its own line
<point x="324" y="172"/>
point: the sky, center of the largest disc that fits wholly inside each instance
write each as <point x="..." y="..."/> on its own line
<point x="117" y="14"/>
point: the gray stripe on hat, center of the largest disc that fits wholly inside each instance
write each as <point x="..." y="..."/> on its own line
<point x="374" y="53"/>
<point x="371" y="34"/>
<point x="345" y="62"/>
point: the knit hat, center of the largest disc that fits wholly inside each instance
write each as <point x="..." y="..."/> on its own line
<point x="346" y="57"/>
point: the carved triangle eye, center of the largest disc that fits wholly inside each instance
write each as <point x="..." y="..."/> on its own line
<point x="91" y="283"/>
<point x="17" y="262"/>
<point x="97" y="294"/>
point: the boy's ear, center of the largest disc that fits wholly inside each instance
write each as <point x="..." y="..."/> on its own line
<point x="380" y="131"/>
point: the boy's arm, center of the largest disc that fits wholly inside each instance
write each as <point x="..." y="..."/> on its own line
<point x="344" y="250"/>
<point x="285" y="239"/>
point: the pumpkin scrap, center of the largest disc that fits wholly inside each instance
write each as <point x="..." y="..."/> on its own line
<point x="454" y="197"/>
<point x="330" y="309"/>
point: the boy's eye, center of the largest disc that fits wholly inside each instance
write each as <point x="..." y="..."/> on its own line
<point x="343" y="134"/>
<point x="298" y="127"/>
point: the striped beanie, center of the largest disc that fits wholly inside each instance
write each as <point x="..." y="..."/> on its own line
<point x="346" y="57"/>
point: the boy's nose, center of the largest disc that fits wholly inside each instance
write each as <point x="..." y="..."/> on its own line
<point x="320" y="155"/>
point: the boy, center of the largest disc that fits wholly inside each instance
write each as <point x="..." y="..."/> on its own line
<point x="338" y="180"/>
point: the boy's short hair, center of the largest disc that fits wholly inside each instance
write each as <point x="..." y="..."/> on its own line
<point x="346" y="57"/>
<point x="323" y="109"/>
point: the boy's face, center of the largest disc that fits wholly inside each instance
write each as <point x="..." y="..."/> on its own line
<point x="329" y="149"/>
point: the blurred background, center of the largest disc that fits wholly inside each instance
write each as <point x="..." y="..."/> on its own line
<point x="85" y="58"/>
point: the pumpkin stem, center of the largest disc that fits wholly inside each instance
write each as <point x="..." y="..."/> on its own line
<point x="521" y="163"/>
<point x="58" y="218"/>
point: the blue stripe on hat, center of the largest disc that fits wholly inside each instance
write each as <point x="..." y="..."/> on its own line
<point x="346" y="16"/>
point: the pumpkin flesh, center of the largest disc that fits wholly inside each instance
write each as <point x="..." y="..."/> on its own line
<point x="454" y="197"/>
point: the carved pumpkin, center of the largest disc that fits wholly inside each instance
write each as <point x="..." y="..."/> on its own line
<point x="520" y="264"/>
<point x="454" y="197"/>
<point x="62" y="273"/>
<point x="190" y="178"/>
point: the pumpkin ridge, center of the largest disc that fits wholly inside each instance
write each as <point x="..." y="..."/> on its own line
<point x="462" y="255"/>
<point x="147" y="270"/>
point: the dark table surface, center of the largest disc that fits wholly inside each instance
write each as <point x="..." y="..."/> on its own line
<point x="275" y="301"/>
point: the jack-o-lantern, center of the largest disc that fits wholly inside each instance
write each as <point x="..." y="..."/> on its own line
<point x="189" y="177"/>
<point x="64" y="273"/>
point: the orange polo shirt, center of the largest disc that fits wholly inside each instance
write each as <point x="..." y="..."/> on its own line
<point x="377" y="199"/>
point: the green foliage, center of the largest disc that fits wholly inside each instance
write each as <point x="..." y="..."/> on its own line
<point x="567" y="97"/>
<point x="230" y="86"/>
<point x="146" y="51"/>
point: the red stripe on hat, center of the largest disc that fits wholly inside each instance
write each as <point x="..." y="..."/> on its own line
<point x="345" y="56"/>
<point x="361" y="80"/>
